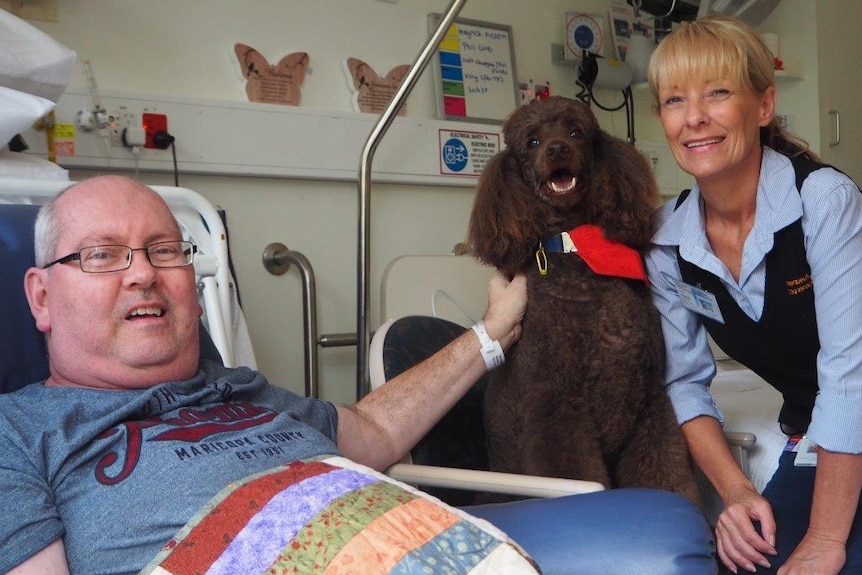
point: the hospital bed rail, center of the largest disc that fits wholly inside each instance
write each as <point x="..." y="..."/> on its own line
<point x="277" y="259"/>
<point x="378" y="131"/>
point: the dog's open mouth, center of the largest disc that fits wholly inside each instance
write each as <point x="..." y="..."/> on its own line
<point x="561" y="182"/>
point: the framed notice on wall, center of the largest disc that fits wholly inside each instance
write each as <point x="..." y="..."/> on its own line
<point x="474" y="71"/>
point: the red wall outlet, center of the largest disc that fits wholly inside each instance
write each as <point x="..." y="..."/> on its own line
<point x="154" y="123"/>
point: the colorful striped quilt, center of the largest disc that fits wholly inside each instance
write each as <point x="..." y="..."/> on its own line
<point x="333" y="516"/>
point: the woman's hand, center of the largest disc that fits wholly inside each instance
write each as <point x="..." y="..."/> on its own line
<point x="836" y="499"/>
<point x="815" y="556"/>
<point x="739" y="544"/>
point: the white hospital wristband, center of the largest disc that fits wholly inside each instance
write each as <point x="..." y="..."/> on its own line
<point x="492" y="353"/>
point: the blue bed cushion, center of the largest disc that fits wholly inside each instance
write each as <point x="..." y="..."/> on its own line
<point x="22" y="346"/>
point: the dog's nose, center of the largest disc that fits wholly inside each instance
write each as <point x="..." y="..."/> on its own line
<point x="557" y="151"/>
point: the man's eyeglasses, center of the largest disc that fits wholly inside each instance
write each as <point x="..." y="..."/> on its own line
<point x="102" y="259"/>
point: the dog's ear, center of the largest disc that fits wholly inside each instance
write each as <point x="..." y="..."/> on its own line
<point x="628" y="193"/>
<point x="500" y="222"/>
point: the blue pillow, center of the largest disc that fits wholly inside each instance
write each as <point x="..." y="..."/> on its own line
<point x="23" y="359"/>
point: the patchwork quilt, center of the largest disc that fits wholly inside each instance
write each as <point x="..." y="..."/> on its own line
<point x="333" y="516"/>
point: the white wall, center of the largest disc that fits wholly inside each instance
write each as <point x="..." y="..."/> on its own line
<point x="184" y="50"/>
<point x="795" y="23"/>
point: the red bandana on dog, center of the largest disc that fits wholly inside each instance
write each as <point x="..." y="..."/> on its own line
<point x="604" y="257"/>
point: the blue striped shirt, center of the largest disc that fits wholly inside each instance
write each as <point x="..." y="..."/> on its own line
<point x="830" y="206"/>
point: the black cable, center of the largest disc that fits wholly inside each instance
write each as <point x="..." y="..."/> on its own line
<point x="620" y="107"/>
<point x="587" y="97"/>
<point x="162" y="139"/>
<point x="587" y="72"/>
<point x="630" y="115"/>
<point x="583" y="95"/>
<point x="176" y="169"/>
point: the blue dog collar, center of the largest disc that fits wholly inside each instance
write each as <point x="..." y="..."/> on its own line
<point x="560" y="244"/>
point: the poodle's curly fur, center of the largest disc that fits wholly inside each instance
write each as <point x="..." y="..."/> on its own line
<point x="581" y="394"/>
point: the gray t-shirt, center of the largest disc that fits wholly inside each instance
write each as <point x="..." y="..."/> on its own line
<point x="117" y="473"/>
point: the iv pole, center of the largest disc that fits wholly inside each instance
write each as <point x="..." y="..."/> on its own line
<point x="380" y="128"/>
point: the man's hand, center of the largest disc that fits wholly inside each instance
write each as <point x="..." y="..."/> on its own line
<point x="507" y="302"/>
<point x="386" y="423"/>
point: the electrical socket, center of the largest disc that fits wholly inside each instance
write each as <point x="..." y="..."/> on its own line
<point x="134" y="136"/>
<point x="152" y="124"/>
<point x="120" y="120"/>
<point x="116" y="129"/>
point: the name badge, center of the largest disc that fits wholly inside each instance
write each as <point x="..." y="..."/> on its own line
<point x="697" y="300"/>
<point x="806" y="453"/>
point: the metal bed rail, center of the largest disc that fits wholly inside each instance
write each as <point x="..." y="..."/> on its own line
<point x="378" y="131"/>
<point x="277" y="258"/>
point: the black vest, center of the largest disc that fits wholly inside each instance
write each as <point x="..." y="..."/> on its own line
<point x="782" y="347"/>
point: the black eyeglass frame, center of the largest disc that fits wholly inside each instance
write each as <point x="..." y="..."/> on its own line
<point x="186" y="247"/>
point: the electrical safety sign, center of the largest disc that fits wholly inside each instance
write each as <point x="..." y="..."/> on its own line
<point x="466" y="153"/>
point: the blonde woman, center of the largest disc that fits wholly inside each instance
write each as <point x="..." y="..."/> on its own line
<point x="764" y="254"/>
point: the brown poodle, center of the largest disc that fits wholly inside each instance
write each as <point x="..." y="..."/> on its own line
<point x="581" y="394"/>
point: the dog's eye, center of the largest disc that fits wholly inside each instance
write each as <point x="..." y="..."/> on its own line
<point x="533" y="142"/>
<point x="575" y="134"/>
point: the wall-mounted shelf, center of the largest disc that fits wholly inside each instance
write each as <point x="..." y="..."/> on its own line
<point x="235" y="138"/>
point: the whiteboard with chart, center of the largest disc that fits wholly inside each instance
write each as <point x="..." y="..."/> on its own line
<point x="474" y="71"/>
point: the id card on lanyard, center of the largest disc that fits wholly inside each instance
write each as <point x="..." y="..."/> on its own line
<point x="696" y="299"/>
<point x="805" y="450"/>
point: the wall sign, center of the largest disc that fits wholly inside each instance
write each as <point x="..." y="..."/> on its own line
<point x="272" y="83"/>
<point x="475" y="74"/>
<point x="372" y="92"/>
<point x="465" y="153"/>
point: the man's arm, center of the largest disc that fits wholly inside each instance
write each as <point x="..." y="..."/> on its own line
<point x="49" y="561"/>
<point x="386" y="423"/>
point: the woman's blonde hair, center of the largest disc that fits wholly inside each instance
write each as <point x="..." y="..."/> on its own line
<point x="718" y="46"/>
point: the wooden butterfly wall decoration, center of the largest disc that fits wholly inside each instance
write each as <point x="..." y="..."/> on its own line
<point x="371" y="92"/>
<point x="278" y="84"/>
